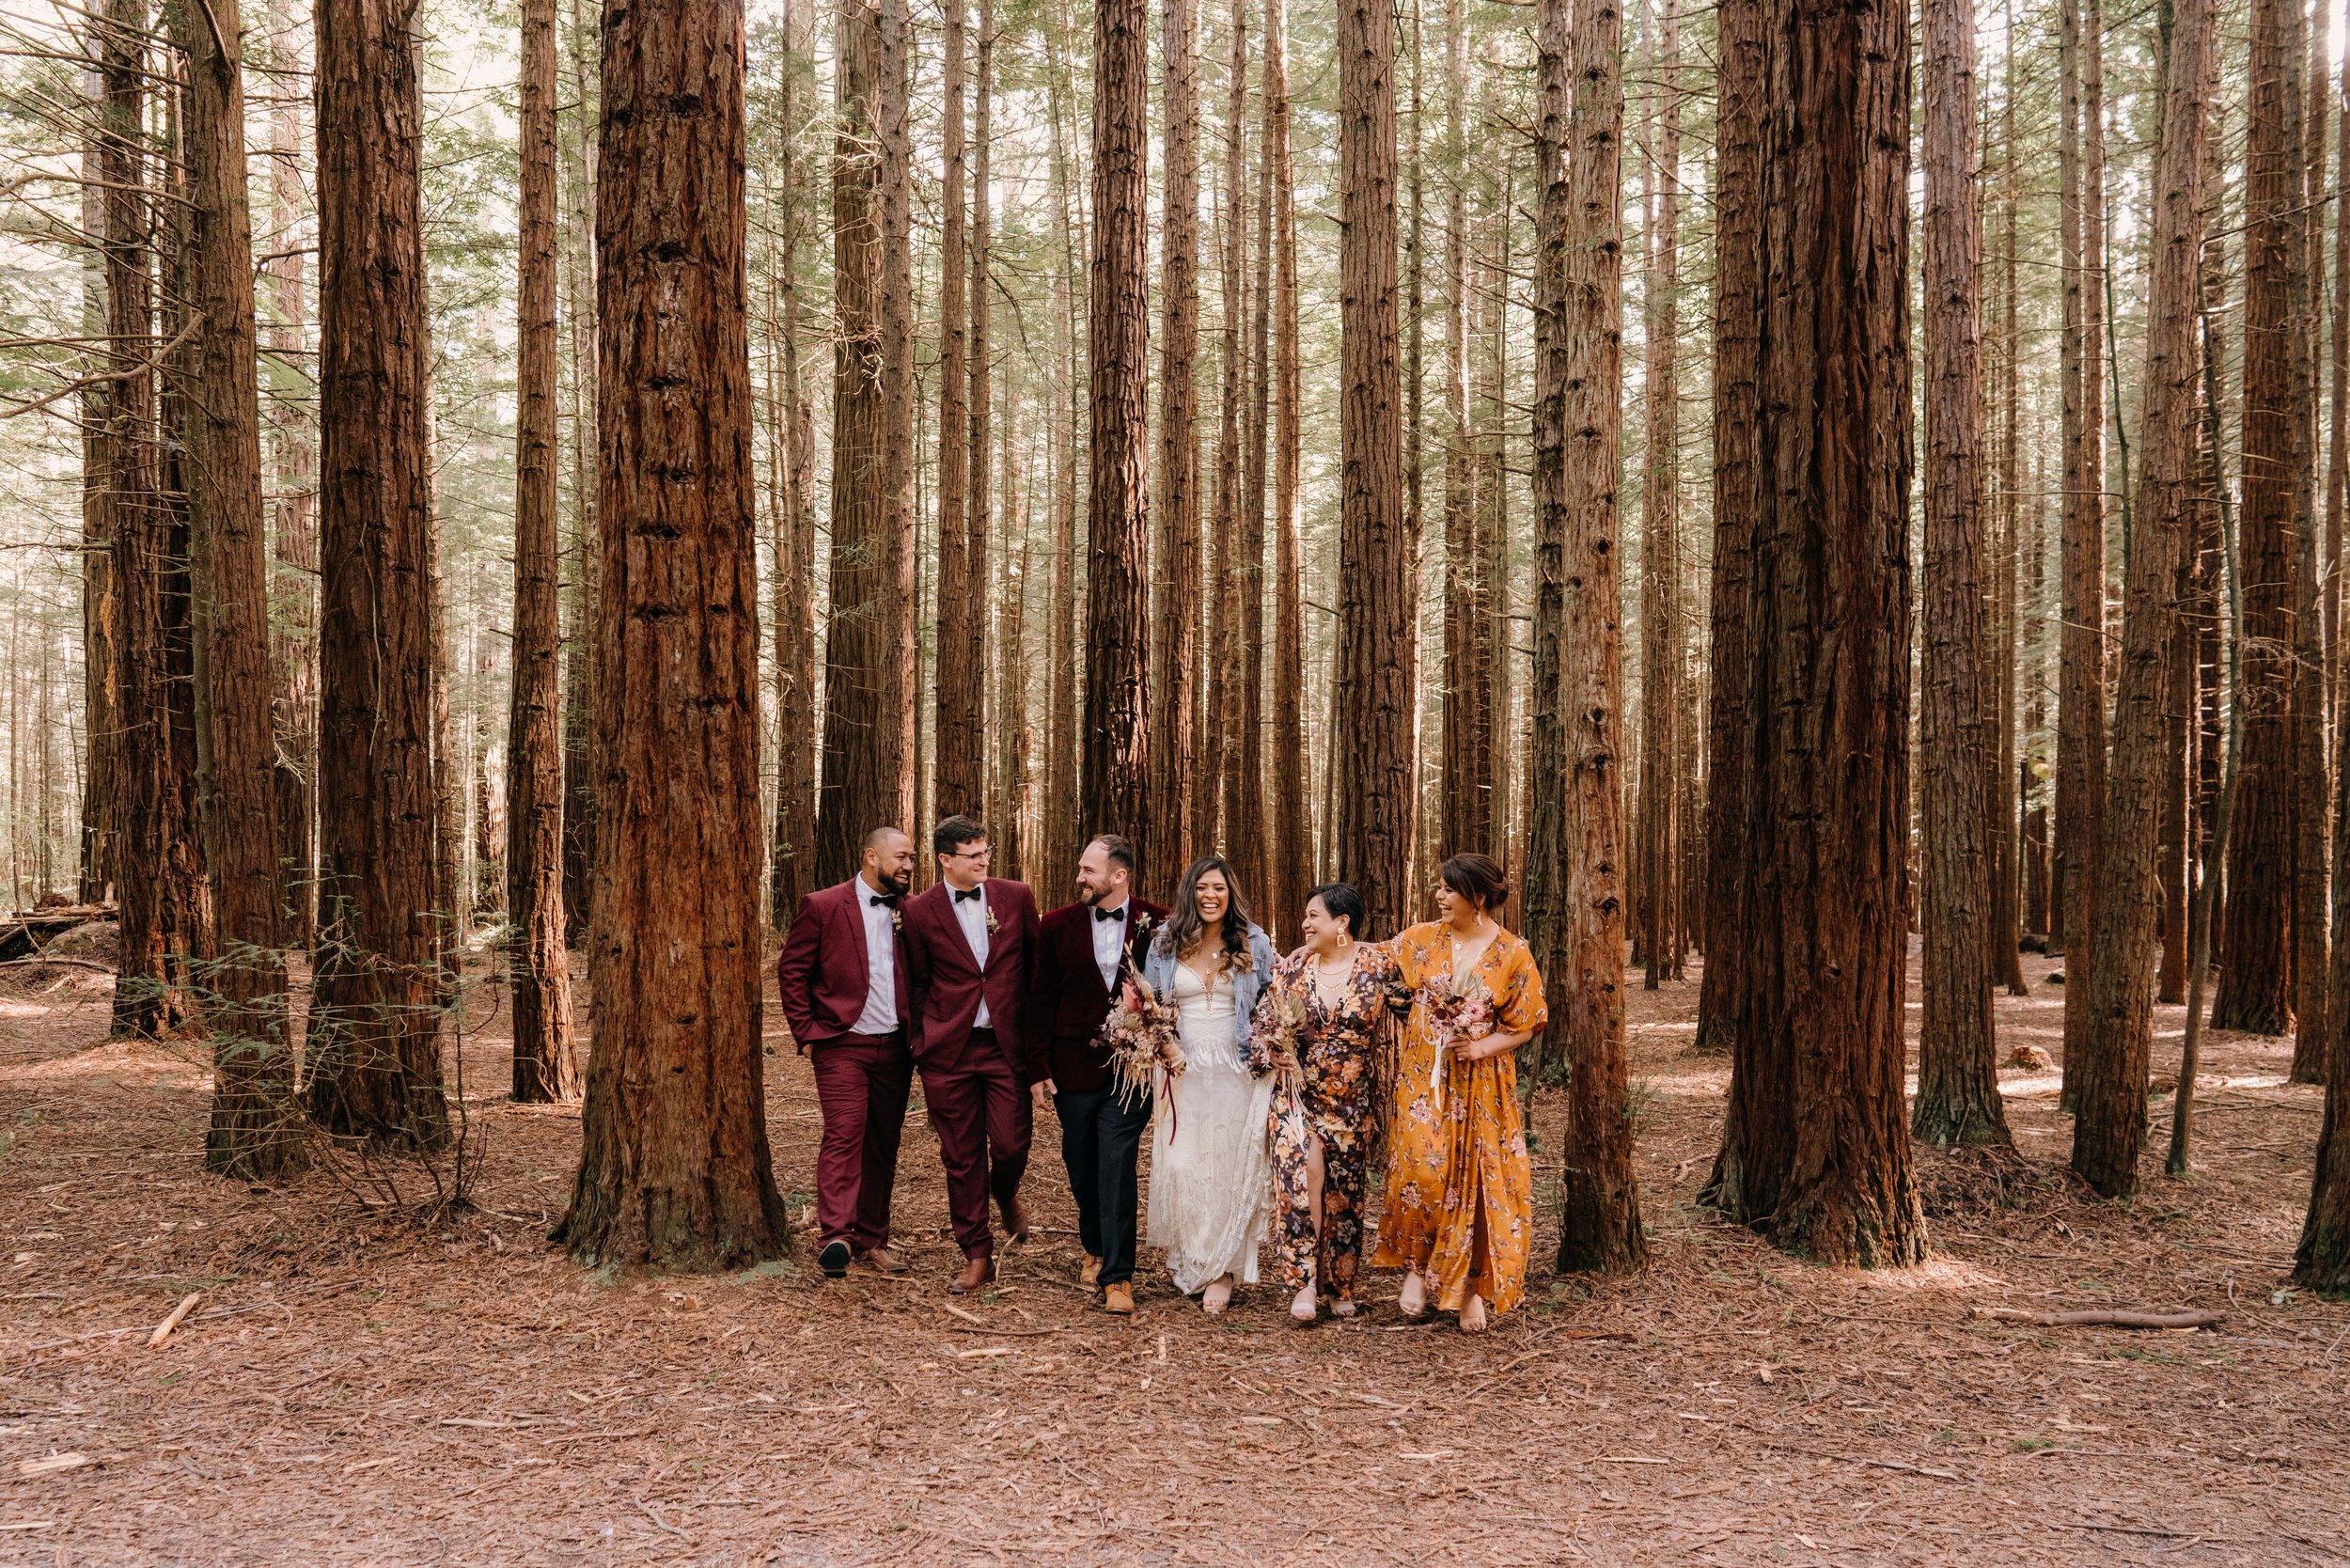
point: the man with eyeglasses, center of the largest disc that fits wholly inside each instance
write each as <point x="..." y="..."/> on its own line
<point x="971" y="942"/>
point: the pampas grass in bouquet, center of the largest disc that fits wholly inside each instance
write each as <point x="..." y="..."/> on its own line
<point x="1141" y="1038"/>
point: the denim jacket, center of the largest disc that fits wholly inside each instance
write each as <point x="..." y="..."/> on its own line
<point x="1158" y="973"/>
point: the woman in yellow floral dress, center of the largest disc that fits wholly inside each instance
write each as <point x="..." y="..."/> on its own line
<point x="1459" y="1208"/>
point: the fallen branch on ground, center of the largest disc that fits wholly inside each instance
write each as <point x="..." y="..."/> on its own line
<point x="2101" y="1317"/>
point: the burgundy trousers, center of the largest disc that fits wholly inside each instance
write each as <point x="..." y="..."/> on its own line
<point x="980" y="1113"/>
<point x="862" y="1082"/>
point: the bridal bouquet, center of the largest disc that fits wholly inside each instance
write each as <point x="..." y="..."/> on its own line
<point x="1273" y="1041"/>
<point x="1459" y="1013"/>
<point x="1140" y="1036"/>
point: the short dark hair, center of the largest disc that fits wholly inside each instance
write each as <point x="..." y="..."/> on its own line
<point x="1344" y="903"/>
<point x="949" y="836"/>
<point x="1121" y="852"/>
<point x="1476" y="876"/>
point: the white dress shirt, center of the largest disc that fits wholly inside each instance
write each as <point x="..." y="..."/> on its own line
<point x="881" y="962"/>
<point x="971" y="914"/>
<point x="1109" y="942"/>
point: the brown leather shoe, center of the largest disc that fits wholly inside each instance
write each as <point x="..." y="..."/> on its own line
<point x="1015" y="1219"/>
<point x="1091" y="1275"/>
<point x="1118" y="1299"/>
<point x="978" y="1272"/>
<point x="882" y="1260"/>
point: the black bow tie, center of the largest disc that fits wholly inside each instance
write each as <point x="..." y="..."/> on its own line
<point x="962" y="893"/>
<point x="1117" y="914"/>
<point x="881" y="898"/>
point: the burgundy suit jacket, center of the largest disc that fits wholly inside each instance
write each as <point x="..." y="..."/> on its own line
<point x="823" y="973"/>
<point x="1067" y="998"/>
<point x="949" y="983"/>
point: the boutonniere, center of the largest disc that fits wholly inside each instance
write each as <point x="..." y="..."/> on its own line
<point x="1142" y="922"/>
<point x="990" y="922"/>
<point x="896" y="922"/>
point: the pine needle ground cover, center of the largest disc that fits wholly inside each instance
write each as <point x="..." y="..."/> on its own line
<point x="347" y="1387"/>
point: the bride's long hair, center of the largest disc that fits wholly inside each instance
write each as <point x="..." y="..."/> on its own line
<point x="1184" y="926"/>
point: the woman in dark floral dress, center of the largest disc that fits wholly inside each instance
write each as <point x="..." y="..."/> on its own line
<point x="1315" y="1026"/>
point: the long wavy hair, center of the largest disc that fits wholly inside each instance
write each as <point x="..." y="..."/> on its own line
<point x="1184" y="926"/>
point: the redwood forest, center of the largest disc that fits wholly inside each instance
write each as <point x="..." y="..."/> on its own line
<point x="1497" y="781"/>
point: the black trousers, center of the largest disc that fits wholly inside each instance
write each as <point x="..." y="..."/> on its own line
<point x="1100" y="1140"/>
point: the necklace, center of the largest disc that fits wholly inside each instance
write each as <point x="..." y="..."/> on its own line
<point x="1333" y="991"/>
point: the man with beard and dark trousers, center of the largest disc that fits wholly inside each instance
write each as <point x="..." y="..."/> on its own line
<point x="969" y="940"/>
<point x="1083" y="954"/>
<point x="847" y="994"/>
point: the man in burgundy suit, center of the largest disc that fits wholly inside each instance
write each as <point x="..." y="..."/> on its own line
<point x="969" y="939"/>
<point x="848" y="996"/>
<point x="1083" y="954"/>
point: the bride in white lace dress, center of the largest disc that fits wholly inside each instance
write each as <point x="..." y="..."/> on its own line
<point x="1210" y="1163"/>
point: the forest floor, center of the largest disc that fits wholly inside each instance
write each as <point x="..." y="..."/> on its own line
<point x="354" y="1387"/>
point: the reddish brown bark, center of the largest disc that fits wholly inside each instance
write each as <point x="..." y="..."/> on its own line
<point x="375" y="1013"/>
<point x="961" y="766"/>
<point x="1661" y="652"/>
<point x="1113" y="793"/>
<point x="546" y="1065"/>
<point x="1575" y="912"/>
<point x="2256" y="953"/>
<point x="1291" y="847"/>
<point x="2111" y="1071"/>
<point x="1172" y="829"/>
<point x="1374" y="786"/>
<point x="1467" y="817"/>
<point x="674" y="1166"/>
<point x="1958" y="1083"/>
<point x="254" y="1131"/>
<point x="1814" y="1154"/>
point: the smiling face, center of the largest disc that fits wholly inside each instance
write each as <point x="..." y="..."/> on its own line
<point x="967" y="867"/>
<point x="1457" y="909"/>
<point x="1100" y="878"/>
<point x="1212" y="896"/>
<point x="889" y="862"/>
<point x="1321" y="929"/>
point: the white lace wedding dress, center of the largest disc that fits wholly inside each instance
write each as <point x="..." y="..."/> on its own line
<point x="1210" y="1160"/>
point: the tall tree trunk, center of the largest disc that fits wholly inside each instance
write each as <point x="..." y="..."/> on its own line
<point x="546" y="1066"/>
<point x="2255" y="983"/>
<point x="2311" y="806"/>
<point x="2337" y="445"/>
<point x="2005" y="800"/>
<point x="1813" y="1152"/>
<point x="294" y="620"/>
<point x="579" y="680"/>
<point x="102" y="610"/>
<point x="1170" y="833"/>
<point x="1060" y="765"/>
<point x="2080" y="788"/>
<point x="2111" y="1071"/>
<point x="901" y="666"/>
<point x="151" y="833"/>
<point x="795" y="512"/>
<point x="253" y="1126"/>
<point x="961" y="765"/>
<point x="375" y="1014"/>
<point x="674" y="1169"/>
<point x="1292" y="827"/>
<point x="1375" y="804"/>
<point x="1011" y="814"/>
<point x="1958" y="1079"/>
<point x="1224" y="720"/>
<point x="1468" y="817"/>
<point x="1660" y="519"/>
<point x="1245" y="809"/>
<point x="1113" y="793"/>
<point x="1741" y="140"/>
<point x="980" y="518"/>
<point x="862" y="787"/>
<point x="1575" y="914"/>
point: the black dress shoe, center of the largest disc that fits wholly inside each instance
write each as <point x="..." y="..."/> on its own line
<point x="834" y="1260"/>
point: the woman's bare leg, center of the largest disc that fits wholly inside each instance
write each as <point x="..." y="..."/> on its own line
<point x="1302" y="1305"/>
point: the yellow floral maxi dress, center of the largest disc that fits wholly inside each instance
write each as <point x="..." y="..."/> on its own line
<point x="1460" y="1197"/>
